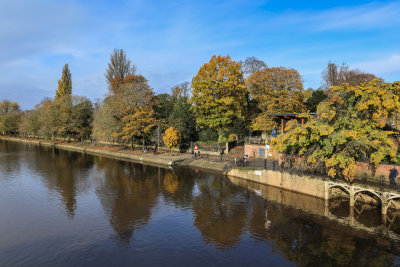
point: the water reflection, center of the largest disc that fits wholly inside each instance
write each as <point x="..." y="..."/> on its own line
<point x="185" y="214"/>
<point x="312" y="234"/>
<point x="220" y="211"/>
<point x="128" y="193"/>
<point x="9" y="162"/>
<point x="64" y="172"/>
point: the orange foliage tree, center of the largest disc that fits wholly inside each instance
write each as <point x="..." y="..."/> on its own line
<point x="171" y="138"/>
<point x="276" y="90"/>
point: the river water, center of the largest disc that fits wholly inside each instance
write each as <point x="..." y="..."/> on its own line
<point x="60" y="208"/>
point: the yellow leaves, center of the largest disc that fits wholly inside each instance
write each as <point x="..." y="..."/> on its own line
<point x="332" y="172"/>
<point x="277" y="90"/>
<point x="349" y="127"/>
<point x="218" y="92"/>
<point x="171" y="137"/>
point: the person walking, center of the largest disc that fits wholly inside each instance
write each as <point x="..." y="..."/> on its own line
<point x="393" y="175"/>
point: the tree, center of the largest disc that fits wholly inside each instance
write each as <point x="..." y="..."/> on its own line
<point x="183" y="119"/>
<point x="10" y="117"/>
<point x="65" y="83"/>
<point x="251" y="65"/>
<point x="352" y="125"/>
<point x="131" y="102"/>
<point x="276" y="90"/>
<point x="171" y="138"/>
<point x="119" y="66"/>
<point x="316" y="97"/>
<point x="219" y="93"/>
<point x="139" y="124"/>
<point x="334" y="75"/>
<point x="104" y="123"/>
<point x="72" y="116"/>
<point x="180" y="90"/>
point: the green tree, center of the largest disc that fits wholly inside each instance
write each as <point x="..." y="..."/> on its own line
<point x="183" y="119"/>
<point x="219" y="93"/>
<point x="65" y="83"/>
<point x="317" y="97"/>
<point x="10" y="117"/>
<point x="72" y="116"/>
<point x="352" y="125"/>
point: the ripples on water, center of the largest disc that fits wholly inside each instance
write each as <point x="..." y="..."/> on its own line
<point x="62" y="208"/>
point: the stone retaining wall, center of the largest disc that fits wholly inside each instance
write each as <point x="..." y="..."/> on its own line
<point x="292" y="182"/>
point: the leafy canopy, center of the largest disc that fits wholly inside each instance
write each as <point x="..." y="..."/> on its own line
<point x="276" y="90"/>
<point x="171" y="138"/>
<point x="218" y="95"/>
<point x="352" y="124"/>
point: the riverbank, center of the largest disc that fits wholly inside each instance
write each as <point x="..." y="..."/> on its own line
<point x="163" y="159"/>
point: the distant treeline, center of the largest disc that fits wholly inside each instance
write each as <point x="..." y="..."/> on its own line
<point x="225" y="100"/>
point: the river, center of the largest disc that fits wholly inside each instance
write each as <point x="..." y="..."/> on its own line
<point x="61" y="208"/>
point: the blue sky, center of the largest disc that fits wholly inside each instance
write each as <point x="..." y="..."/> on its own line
<point x="169" y="40"/>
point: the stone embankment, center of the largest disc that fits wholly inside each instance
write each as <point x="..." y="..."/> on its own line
<point x="163" y="159"/>
<point x="317" y="187"/>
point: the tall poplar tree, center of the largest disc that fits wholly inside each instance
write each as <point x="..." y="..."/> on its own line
<point x="65" y="83"/>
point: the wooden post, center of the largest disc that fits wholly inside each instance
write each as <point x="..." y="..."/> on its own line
<point x="282" y="124"/>
<point x="302" y="121"/>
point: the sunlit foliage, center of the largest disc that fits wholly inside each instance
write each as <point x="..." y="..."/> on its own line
<point x="352" y="124"/>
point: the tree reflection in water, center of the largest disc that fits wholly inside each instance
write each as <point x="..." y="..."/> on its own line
<point x="128" y="193"/>
<point x="64" y="172"/>
<point x="220" y="211"/>
<point x="232" y="216"/>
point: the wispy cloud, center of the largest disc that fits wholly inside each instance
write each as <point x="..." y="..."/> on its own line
<point x="381" y="67"/>
<point x="170" y="40"/>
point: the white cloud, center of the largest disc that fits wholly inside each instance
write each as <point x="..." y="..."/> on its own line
<point x="381" y="67"/>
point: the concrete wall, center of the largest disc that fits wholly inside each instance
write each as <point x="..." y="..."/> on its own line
<point x="292" y="182"/>
<point x="251" y="149"/>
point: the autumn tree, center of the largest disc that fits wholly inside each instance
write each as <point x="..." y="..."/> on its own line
<point x="65" y="83"/>
<point x="352" y="124"/>
<point x="131" y="102"/>
<point x="119" y="66"/>
<point x="276" y="90"/>
<point x="251" y="65"/>
<point x="334" y="75"/>
<point x="219" y="93"/>
<point x="171" y="138"/>
<point x="180" y="90"/>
